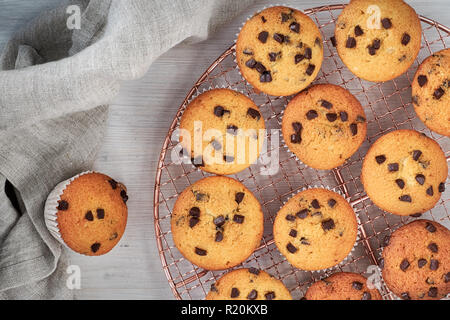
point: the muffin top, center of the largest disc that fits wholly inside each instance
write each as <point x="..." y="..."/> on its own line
<point x="378" y="40"/>
<point x="417" y="261"/>
<point x="342" y="286"/>
<point x="316" y="229"/>
<point x="248" y="284"/>
<point x="324" y="125"/>
<point x="222" y="131"/>
<point x="217" y="223"/>
<point x="92" y="213"/>
<point x="404" y="172"/>
<point x="279" y="51"/>
<point x="431" y="92"/>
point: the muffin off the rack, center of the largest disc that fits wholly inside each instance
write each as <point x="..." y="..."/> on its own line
<point x="279" y="51"/>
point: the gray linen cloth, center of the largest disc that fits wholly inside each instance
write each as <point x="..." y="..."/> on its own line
<point x="55" y="86"/>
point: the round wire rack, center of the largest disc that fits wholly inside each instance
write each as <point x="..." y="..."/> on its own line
<point x="387" y="106"/>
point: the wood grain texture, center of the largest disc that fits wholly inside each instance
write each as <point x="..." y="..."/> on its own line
<point x="139" y="119"/>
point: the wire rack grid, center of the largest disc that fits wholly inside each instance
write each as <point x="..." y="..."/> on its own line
<point x="387" y="106"/>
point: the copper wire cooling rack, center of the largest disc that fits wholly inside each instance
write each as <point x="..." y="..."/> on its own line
<point x="388" y="107"/>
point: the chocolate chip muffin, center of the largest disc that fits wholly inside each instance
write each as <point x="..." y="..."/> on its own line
<point x="88" y="213"/>
<point x="324" y="125"/>
<point x="279" y="51"/>
<point x="431" y="92"/>
<point x="248" y="284"/>
<point x="217" y="223"/>
<point x="404" y="172"/>
<point x="378" y="40"/>
<point x="222" y="131"/>
<point x="342" y="286"/>
<point x="417" y="261"/>
<point x="316" y="229"/>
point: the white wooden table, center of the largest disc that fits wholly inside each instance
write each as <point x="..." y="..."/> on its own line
<point x="139" y="119"/>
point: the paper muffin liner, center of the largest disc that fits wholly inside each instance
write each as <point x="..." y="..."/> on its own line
<point x="51" y="204"/>
<point x="358" y="222"/>
<point x="192" y="98"/>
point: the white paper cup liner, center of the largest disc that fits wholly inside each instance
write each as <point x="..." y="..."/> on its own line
<point x="51" y="204"/>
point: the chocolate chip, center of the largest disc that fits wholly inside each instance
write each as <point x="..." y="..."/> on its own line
<point x="434" y="264"/>
<point x="405" y="198"/>
<point x="430" y="227"/>
<point x="264" y="20"/>
<point x="95" y="247"/>
<point x="308" y="53"/>
<point x="360" y="119"/>
<point x="405" y="39"/>
<point x="297" y="126"/>
<point x="124" y="195"/>
<point x="420" y="178"/>
<point x="298" y="58"/>
<point x="318" y="42"/>
<point x="214" y="288"/>
<point x="219" y="236"/>
<point x="262" y="36"/>
<point x="405" y="296"/>
<point x="270" y="295"/>
<point x="433" y="247"/>
<point x="252" y="295"/>
<point x="113" y="236"/>
<point x="295" y="27"/>
<point x="415" y="100"/>
<point x="315" y="204"/>
<point x="285" y="17"/>
<point x="376" y="44"/>
<point x="311" y="114"/>
<point x="354" y="129"/>
<point x="194" y="212"/>
<point x="278" y="37"/>
<point x="219" y="221"/>
<point x="238" y="218"/>
<point x="265" y="77"/>
<point x="441" y="187"/>
<point x="331" y="117"/>
<point x="326" y="104"/>
<point x="304" y="241"/>
<point x="113" y="184"/>
<point x="366" y="296"/>
<point x="216" y="145"/>
<point x="400" y="183"/>
<point x="351" y="42"/>
<point x="310" y="69"/>
<point x="358" y="31"/>
<point x="438" y="93"/>
<point x="254" y="270"/>
<point x="302" y="214"/>
<point x="293" y="233"/>
<point x="89" y="216"/>
<point x="260" y="67"/>
<point x="357" y="285"/>
<point x="219" y="111"/>
<point x="290" y="217"/>
<point x="251" y="63"/>
<point x="290" y="247"/>
<point x="392" y="167"/>
<point x="100" y="213"/>
<point x="234" y="293"/>
<point x="232" y="129"/>
<point x="273" y="56"/>
<point x="422" y="80"/>
<point x="421" y="263"/>
<point x="332" y="203"/>
<point x="328" y="224"/>
<point x="404" y="264"/>
<point x="63" y="205"/>
<point x="415" y="215"/>
<point x="447" y="277"/>
<point x="193" y="221"/>
<point x="200" y="252"/>
<point x="333" y="41"/>
<point x="386" y="22"/>
<point x="344" y="116"/>
<point x="248" y="52"/>
<point x="372" y="50"/>
<point x="416" y="154"/>
<point x="433" y="292"/>
<point x="296" y="138"/>
<point x="254" y="113"/>
<point x="239" y="196"/>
